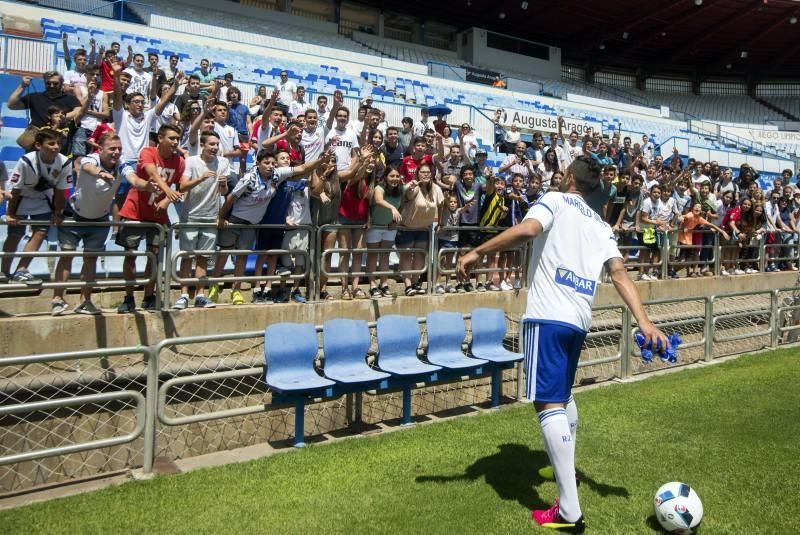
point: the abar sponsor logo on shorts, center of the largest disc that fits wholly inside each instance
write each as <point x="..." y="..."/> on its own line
<point x="567" y="277"/>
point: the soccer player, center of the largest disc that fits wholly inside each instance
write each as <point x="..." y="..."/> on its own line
<point x="570" y="245"/>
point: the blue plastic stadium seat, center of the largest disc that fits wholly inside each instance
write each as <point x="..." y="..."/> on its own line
<point x="15" y="122"/>
<point x="488" y="331"/>
<point x="140" y="39"/>
<point x="11" y="153"/>
<point x="126" y="37"/>
<point x="345" y="345"/>
<point x="446" y="333"/>
<point x="45" y="20"/>
<point x="398" y="340"/>
<point x="155" y="41"/>
<point x="289" y="352"/>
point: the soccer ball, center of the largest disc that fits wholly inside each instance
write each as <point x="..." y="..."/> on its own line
<point x="678" y="507"/>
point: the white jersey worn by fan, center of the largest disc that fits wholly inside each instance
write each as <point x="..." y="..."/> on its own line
<point x="567" y="260"/>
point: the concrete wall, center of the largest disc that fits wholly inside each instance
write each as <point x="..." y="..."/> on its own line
<point x="41" y="333"/>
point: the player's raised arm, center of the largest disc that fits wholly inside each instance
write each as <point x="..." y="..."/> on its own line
<point x="627" y="291"/>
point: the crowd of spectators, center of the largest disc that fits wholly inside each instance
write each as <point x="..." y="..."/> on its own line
<point x="111" y="140"/>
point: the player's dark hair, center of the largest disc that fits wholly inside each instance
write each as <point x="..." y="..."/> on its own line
<point x="586" y="172"/>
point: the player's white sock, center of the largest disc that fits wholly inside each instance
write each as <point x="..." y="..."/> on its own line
<point x="572" y="417"/>
<point x="561" y="449"/>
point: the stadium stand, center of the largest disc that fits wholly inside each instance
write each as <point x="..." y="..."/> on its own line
<point x="393" y="78"/>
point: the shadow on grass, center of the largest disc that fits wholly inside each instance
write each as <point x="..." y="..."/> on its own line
<point x="513" y="474"/>
<point x="653" y="523"/>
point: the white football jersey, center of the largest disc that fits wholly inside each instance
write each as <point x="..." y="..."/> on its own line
<point x="567" y="260"/>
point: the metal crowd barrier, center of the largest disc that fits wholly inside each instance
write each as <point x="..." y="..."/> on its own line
<point x="105" y="282"/>
<point x="674" y="261"/>
<point x="172" y="275"/>
<point x="140" y="393"/>
<point x="670" y="254"/>
<point x="785" y="249"/>
<point x="359" y="252"/>
<point x="439" y="253"/>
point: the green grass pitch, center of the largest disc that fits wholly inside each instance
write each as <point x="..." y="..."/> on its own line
<point x="730" y="431"/>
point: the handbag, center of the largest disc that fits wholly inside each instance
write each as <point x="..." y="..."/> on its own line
<point x="27" y="137"/>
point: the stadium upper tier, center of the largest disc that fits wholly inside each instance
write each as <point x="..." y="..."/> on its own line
<point x="225" y="25"/>
<point x="327" y="62"/>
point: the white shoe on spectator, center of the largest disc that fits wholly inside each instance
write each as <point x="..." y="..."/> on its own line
<point x="181" y="303"/>
<point x="738" y="271"/>
<point x="750" y="271"/>
<point x="724" y="273"/>
<point x="517" y="284"/>
<point x="440" y="289"/>
<point x="506" y="286"/>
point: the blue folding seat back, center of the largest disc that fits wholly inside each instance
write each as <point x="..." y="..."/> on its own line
<point x="488" y="331"/>
<point x="289" y="352"/>
<point x="446" y="333"/>
<point x="345" y="345"/>
<point x="398" y="340"/>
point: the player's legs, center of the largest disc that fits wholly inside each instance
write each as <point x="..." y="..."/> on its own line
<point x="551" y="358"/>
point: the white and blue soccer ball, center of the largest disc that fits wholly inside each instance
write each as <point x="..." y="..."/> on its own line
<point x="678" y="507"/>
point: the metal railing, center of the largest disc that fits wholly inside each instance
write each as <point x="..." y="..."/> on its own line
<point x="356" y="256"/>
<point x="155" y="276"/>
<point x="756" y="255"/>
<point x="172" y="275"/>
<point x="128" y="405"/>
<point x="439" y="254"/>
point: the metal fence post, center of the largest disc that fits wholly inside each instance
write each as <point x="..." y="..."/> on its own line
<point x="320" y="243"/>
<point x="625" y="343"/>
<point x="166" y="269"/>
<point x="708" y="347"/>
<point x="151" y="401"/>
<point x="717" y="254"/>
<point x="665" y="257"/>
<point x="775" y="323"/>
<point x="312" y="288"/>
<point x="762" y="254"/>
<point x="431" y="269"/>
<point x="433" y="261"/>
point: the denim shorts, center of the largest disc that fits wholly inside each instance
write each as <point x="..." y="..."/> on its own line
<point x="381" y="234"/>
<point x="407" y="238"/>
<point x="93" y="238"/>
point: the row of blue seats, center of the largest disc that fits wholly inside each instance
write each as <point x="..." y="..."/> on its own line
<point x="290" y="351"/>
